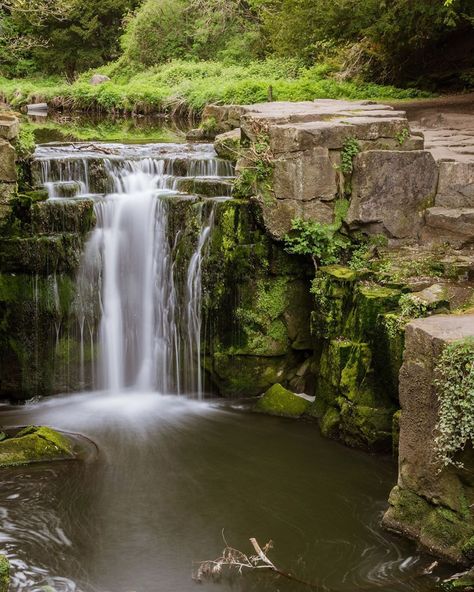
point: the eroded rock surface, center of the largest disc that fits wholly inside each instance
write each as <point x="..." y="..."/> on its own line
<point x="430" y="503"/>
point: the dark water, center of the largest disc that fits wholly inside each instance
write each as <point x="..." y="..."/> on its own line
<point x="170" y="475"/>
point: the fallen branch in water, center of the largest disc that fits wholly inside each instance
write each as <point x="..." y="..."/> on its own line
<point x="94" y="147"/>
<point x="236" y="560"/>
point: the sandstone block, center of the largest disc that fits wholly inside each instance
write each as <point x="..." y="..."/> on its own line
<point x="305" y="176"/>
<point x="9" y="127"/>
<point x="456" y="185"/>
<point x="392" y="189"/>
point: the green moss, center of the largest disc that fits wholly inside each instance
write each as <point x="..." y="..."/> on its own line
<point x="443" y="528"/>
<point x="4" y="574"/>
<point x="468" y="549"/>
<point x="339" y="272"/>
<point x="237" y="375"/>
<point x="34" y="444"/>
<point x="408" y="508"/>
<point x="330" y="423"/>
<point x="366" y="427"/>
<point x="280" y="401"/>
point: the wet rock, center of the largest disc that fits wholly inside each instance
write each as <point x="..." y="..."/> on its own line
<point x="280" y="401"/>
<point x="206" y="187"/>
<point x="392" y="189"/>
<point x="35" y="444"/>
<point x="62" y="215"/>
<point x="227" y="145"/>
<point x="97" y="79"/>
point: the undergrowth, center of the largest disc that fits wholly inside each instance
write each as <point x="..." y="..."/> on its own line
<point x="186" y="87"/>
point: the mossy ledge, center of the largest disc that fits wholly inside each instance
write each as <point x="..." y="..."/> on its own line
<point x="35" y="444"/>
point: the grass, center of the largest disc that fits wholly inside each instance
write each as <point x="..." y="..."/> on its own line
<point x="186" y="87"/>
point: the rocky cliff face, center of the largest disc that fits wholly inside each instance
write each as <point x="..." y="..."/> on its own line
<point x="40" y="247"/>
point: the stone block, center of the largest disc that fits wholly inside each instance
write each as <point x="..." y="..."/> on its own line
<point x="305" y="176"/>
<point x="391" y="190"/>
<point x="449" y="225"/>
<point x="9" y="126"/>
<point x="445" y="493"/>
<point x="8" y="172"/>
<point x="456" y="185"/>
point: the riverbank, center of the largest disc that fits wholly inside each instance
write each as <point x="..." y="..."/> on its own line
<point x="185" y="88"/>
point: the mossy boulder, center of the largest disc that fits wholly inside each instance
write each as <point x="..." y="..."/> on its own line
<point x="280" y="401"/>
<point x="4" y="574"/>
<point x="227" y="145"/>
<point x="35" y="444"/>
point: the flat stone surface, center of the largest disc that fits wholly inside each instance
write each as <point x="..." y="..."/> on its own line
<point x="447" y="124"/>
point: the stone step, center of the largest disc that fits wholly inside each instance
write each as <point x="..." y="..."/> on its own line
<point x="453" y="225"/>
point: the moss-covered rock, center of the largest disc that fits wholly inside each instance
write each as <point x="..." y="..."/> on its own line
<point x="35" y="444"/>
<point x="4" y="574"/>
<point x="280" y="401"/>
<point x="227" y="145"/>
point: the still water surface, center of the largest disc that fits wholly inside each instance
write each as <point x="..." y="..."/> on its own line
<point x="170" y="474"/>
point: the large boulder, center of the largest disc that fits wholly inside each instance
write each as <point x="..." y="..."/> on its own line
<point x="391" y="190"/>
<point x="227" y="145"/>
<point x="449" y="225"/>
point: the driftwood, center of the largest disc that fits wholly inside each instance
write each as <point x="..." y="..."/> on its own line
<point x="94" y="147"/>
<point x="234" y="560"/>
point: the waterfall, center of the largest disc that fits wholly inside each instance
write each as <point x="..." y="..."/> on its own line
<point x="146" y="312"/>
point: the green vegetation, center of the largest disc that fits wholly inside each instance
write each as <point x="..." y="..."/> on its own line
<point x="355" y="40"/>
<point x="180" y="87"/>
<point x="455" y="387"/>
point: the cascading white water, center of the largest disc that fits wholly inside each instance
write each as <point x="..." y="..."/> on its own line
<point x="149" y="333"/>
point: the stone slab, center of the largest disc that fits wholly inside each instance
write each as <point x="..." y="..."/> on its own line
<point x="392" y="189"/>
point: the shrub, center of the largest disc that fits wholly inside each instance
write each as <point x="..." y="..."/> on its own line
<point x="455" y="388"/>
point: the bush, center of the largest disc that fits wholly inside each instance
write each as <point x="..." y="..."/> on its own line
<point x="455" y="388"/>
